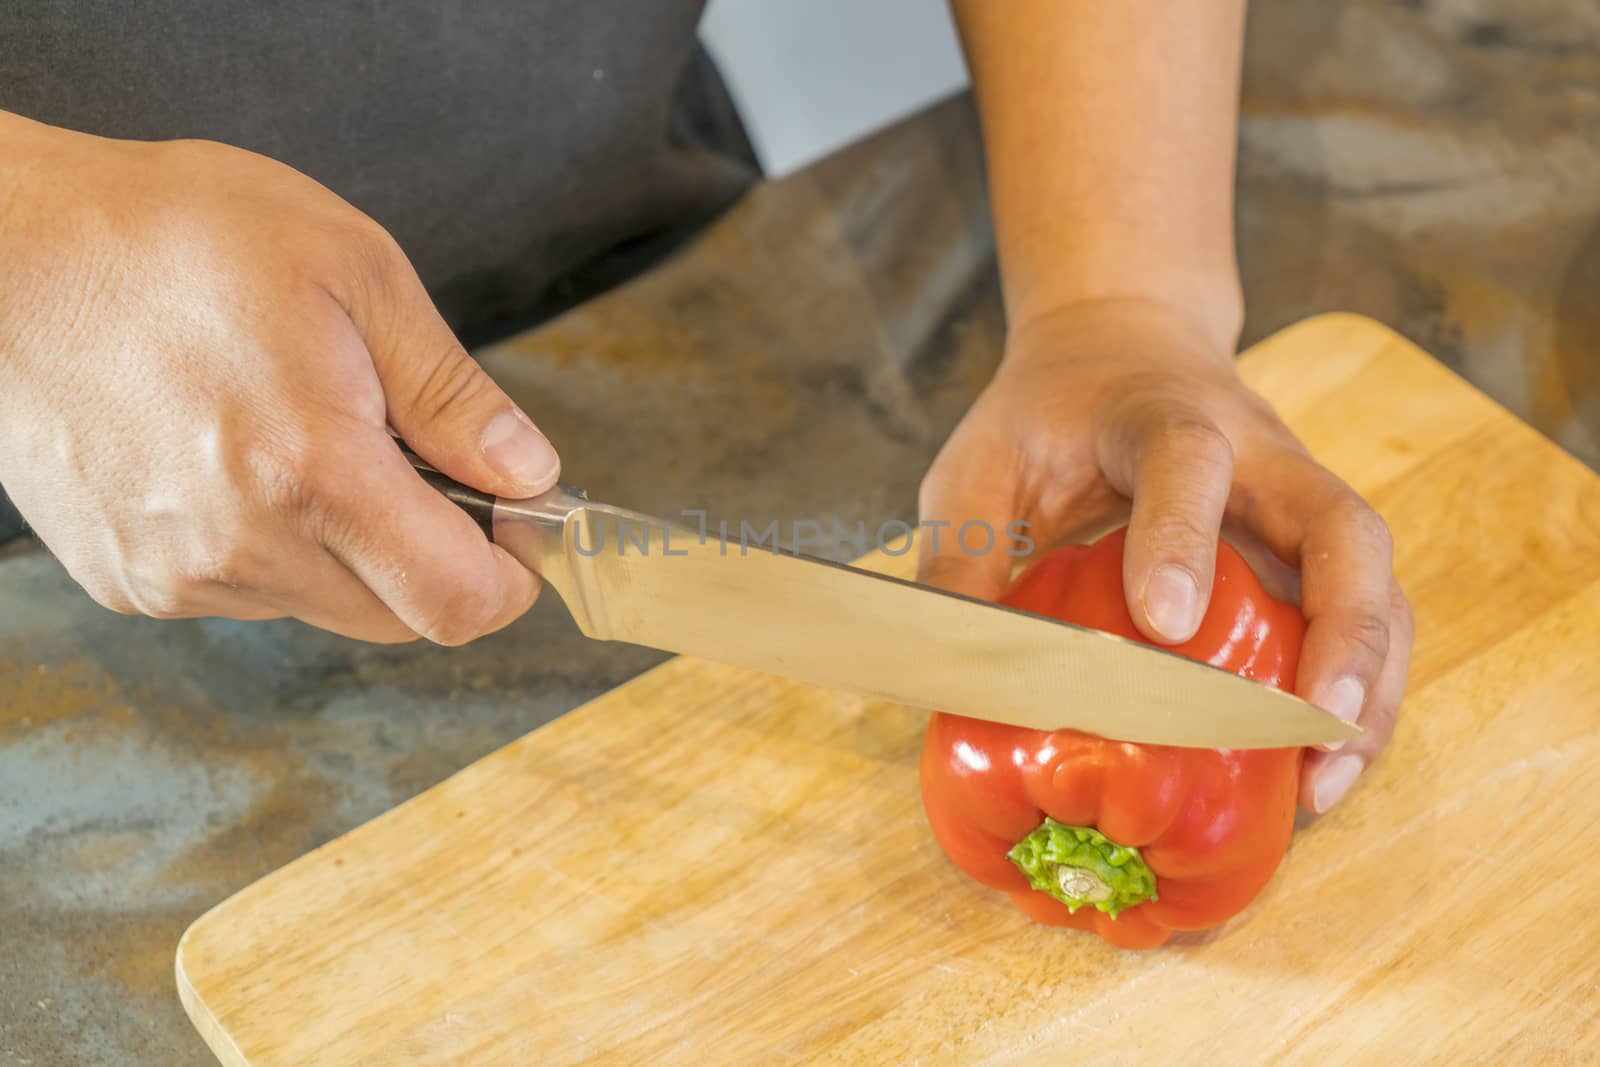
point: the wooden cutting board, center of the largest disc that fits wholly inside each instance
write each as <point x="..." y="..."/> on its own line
<point x="709" y="866"/>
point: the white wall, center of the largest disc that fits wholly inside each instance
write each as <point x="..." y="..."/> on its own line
<point x="810" y="76"/>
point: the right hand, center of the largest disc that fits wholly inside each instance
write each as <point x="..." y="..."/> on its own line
<point x="1106" y="408"/>
<point x="201" y="350"/>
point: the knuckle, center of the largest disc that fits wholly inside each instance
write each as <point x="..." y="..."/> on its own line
<point x="1194" y="440"/>
<point x="227" y="561"/>
<point x="111" y="598"/>
<point x="1179" y="531"/>
<point x="465" y="615"/>
<point x="369" y="261"/>
<point x="453" y="382"/>
<point x="161" y="606"/>
<point x="166" y="595"/>
<point x="1357" y="517"/>
<point x="1400" y="607"/>
<point x="373" y="251"/>
<point x="1370" y="633"/>
<point x="290" y="478"/>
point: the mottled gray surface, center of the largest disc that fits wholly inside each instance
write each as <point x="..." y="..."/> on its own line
<point x="1434" y="164"/>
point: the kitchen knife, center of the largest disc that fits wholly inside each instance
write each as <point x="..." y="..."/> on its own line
<point x="626" y="576"/>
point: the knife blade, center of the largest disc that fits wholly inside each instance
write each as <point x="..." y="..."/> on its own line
<point x="627" y="576"/>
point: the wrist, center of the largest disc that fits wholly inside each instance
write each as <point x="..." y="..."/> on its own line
<point x="1154" y="323"/>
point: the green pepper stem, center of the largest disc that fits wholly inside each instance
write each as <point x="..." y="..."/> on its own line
<point x="1078" y="865"/>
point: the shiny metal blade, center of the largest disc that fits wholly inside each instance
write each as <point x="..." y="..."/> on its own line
<point x="629" y="577"/>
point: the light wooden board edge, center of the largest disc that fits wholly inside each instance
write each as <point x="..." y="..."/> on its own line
<point x="210" y="1029"/>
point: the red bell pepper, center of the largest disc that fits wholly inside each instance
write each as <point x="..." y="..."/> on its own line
<point x="1130" y="841"/>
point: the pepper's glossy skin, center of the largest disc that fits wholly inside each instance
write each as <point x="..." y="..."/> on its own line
<point x="1211" y="823"/>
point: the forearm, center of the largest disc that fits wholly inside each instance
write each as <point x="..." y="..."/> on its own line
<point x="19" y="157"/>
<point x="38" y="174"/>
<point x="1109" y="130"/>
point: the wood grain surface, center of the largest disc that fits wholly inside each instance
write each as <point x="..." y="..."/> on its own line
<point x="709" y="866"/>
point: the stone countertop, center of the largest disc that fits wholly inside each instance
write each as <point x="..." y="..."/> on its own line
<point x="1433" y="164"/>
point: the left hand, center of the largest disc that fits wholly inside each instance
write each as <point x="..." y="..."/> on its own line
<point x="1105" y="401"/>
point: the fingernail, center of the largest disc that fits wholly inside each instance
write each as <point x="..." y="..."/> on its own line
<point x="1335" y="780"/>
<point x="1170" y="597"/>
<point x="519" y="452"/>
<point x="1344" y="698"/>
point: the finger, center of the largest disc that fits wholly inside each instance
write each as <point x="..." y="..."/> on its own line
<point x="1309" y="518"/>
<point x="1178" y="468"/>
<point x="324" y="593"/>
<point x="319" y="591"/>
<point x="420" y="555"/>
<point x="1327" y="776"/>
<point x="445" y="406"/>
<point x="203" y="600"/>
<point x="1281" y="581"/>
<point x="970" y="536"/>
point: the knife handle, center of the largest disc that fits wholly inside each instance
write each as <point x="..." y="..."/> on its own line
<point x="478" y="506"/>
